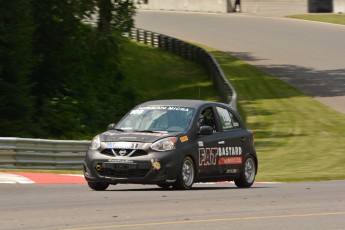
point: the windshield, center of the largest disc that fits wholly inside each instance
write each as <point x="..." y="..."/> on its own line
<point x="157" y="119"/>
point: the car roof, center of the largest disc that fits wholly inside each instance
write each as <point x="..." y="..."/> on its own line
<point x="180" y="102"/>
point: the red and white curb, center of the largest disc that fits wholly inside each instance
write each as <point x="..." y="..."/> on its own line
<point x="40" y="178"/>
<point x="50" y="178"/>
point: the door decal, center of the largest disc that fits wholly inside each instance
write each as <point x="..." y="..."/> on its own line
<point x="220" y="156"/>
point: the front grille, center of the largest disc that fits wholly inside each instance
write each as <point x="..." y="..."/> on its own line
<point x="131" y="173"/>
<point x="107" y="152"/>
<point x="124" y="152"/>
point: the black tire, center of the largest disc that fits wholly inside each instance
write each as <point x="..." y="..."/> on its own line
<point x="186" y="176"/>
<point x="248" y="172"/>
<point x="98" y="186"/>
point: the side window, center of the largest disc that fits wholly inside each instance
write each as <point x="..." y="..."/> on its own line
<point x="206" y="118"/>
<point x="227" y="119"/>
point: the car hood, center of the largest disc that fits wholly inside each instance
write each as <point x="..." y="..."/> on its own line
<point x="146" y="137"/>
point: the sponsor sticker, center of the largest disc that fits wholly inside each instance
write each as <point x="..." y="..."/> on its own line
<point x="137" y="111"/>
<point x="231" y="171"/>
<point x="122" y="145"/>
<point x="230" y="151"/>
<point x="230" y="161"/>
<point x="120" y="161"/>
<point x="132" y="133"/>
<point x="155" y="164"/>
<point x="184" y="139"/>
<point x="162" y="108"/>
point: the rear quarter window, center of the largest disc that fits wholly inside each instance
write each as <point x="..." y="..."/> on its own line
<point x="227" y="119"/>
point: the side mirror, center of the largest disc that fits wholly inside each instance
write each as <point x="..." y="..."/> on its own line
<point x="111" y="126"/>
<point x="205" y="130"/>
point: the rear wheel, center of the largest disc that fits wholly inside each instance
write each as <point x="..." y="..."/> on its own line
<point x="186" y="176"/>
<point x="98" y="186"/>
<point x="247" y="176"/>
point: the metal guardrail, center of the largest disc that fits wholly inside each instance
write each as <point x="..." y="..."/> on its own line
<point x="193" y="53"/>
<point x="40" y="153"/>
<point x="56" y="154"/>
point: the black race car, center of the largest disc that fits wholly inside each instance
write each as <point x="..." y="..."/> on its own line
<point x="173" y="143"/>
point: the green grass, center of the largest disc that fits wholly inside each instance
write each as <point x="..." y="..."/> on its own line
<point x="156" y="75"/>
<point x="330" y="18"/>
<point x="297" y="138"/>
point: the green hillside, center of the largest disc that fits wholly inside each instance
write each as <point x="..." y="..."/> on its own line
<point x="297" y="138"/>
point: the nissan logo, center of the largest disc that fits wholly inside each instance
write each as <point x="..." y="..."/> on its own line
<point x="122" y="152"/>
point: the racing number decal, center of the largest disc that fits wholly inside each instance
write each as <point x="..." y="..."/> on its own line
<point x="220" y="156"/>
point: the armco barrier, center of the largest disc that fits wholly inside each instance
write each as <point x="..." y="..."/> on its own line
<point x="40" y="153"/>
<point x="56" y="154"/>
<point x="193" y="53"/>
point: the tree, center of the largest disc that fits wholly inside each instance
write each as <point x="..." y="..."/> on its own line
<point x="59" y="42"/>
<point x="79" y="84"/>
<point x="17" y="62"/>
<point x="104" y="15"/>
<point x="59" y="77"/>
<point x="117" y="14"/>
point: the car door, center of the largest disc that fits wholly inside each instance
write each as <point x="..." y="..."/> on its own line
<point x="232" y="145"/>
<point x="208" y="145"/>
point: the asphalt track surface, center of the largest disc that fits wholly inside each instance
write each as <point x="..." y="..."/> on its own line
<point x="308" y="55"/>
<point x="268" y="206"/>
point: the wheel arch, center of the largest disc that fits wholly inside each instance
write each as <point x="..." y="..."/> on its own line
<point x="256" y="163"/>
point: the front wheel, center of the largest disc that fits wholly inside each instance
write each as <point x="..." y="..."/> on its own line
<point x="247" y="176"/>
<point x="98" y="186"/>
<point x="186" y="176"/>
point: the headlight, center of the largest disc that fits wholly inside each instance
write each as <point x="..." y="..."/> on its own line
<point x="95" y="143"/>
<point x="164" y="144"/>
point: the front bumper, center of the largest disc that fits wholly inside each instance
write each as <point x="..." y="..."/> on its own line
<point x="153" y="168"/>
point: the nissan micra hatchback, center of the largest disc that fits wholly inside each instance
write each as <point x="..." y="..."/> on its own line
<point x="173" y="143"/>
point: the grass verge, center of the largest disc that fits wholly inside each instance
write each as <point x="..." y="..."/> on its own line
<point x="330" y="18"/>
<point x="157" y="74"/>
<point x="297" y="138"/>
